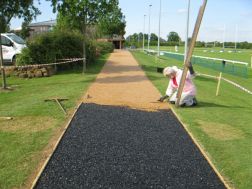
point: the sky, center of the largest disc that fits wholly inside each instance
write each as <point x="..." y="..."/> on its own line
<point x="228" y="20"/>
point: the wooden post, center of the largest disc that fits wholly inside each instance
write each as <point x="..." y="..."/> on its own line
<point x="6" y="118"/>
<point x="4" y="85"/>
<point x="218" y="85"/>
<point x="190" y="51"/>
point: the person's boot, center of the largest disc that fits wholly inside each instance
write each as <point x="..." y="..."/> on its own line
<point x="195" y="102"/>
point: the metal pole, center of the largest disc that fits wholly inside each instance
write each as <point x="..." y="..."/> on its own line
<point x="138" y="40"/>
<point x="149" y="28"/>
<point x="236" y="31"/>
<point x="159" y="29"/>
<point x="187" y="29"/>
<point x="143" y="31"/>
<point x="224" y="36"/>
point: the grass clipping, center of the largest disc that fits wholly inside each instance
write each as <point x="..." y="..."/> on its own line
<point x="221" y="132"/>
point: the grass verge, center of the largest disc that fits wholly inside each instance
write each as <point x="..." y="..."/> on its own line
<point x="35" y="122"/>
<point x="222" y="125"/>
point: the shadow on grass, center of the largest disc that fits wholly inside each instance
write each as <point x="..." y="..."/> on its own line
<point x="203" y="104"/>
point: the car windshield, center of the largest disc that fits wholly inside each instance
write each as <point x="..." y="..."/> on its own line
<point x="17" y="39"/>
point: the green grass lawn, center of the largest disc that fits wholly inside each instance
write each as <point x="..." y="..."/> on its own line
<point x="35" y="121"/>
<point x="222" y="125"/>
<point x="243" y="55"/>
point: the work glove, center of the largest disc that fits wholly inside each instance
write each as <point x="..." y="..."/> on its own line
<point x="163" y="98"/>
<point x="190" y="67"/>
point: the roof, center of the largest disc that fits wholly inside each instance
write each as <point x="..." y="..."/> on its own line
<point x="45" y="23"/>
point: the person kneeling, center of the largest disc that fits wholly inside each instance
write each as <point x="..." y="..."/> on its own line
<point x="189" y="91"/>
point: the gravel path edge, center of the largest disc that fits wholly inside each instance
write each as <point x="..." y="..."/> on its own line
<point x="55" y="145"/>
<point x="202" y="151"/>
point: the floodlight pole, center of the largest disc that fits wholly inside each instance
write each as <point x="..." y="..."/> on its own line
<point x="187" y="29"/>
<point x="159" y="29"/>
<point x="236" y="31"/>
<point x="224" y="36"/>
<point x="143" y="31"/>
<point x="190" y="51"/>
<point x="149" y="28"/>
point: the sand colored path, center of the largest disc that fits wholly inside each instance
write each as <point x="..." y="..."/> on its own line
<point x="123" y="83"/>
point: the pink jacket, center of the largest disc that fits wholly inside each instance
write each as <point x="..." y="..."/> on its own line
<point x="189" y="86"/>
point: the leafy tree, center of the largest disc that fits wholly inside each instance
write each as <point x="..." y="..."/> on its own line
<point x="25" y="31"/>
<point x="153" y="37"/>
<point x="173" y="37"/>
<point x="113" y="23"/>
<point x="84" y="13"/>
<point x="21" y="9"/>
<point x="64" y="23"/>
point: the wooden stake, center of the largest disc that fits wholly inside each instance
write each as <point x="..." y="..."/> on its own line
<point x="6" y="118"/>
<point x="190" y="51"/>
<point x="218" y="85"/>
<point x="4" y="85"/>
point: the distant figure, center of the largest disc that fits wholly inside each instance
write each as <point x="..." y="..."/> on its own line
<point x="189" y="90"/>
<point x="176" y="48"/>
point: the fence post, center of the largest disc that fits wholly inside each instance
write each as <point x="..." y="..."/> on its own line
<point x="251" y="62"/>
<point x="4" y="85"/>
<point x="218" y="85"/>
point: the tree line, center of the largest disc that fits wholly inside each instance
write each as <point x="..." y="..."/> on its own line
<point x="174" y="39"/>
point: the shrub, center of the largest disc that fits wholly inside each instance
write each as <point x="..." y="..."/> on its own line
<point x="48" y="47"/>
<point x="104" y="47"/>
<point x="24" y="58"/>
<point x="91" y="52"/>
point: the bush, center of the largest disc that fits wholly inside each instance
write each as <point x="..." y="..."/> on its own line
<point x="24" y="58"/>
<point x="49" y="47"/>
<point x="104" y="47"/>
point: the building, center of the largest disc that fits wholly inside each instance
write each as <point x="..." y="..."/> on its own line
<point x="41" y="27"/>
<point x="117" y="41"/>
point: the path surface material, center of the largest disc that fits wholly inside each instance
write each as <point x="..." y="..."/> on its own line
<point x="120" y="138"/>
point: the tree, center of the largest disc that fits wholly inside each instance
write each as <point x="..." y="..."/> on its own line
<point x="153" y="37"/>
<point x="113" y="23"/>
<point x="84" y="13"/>
<point x="25" y="31"/>
<point x="21" y="9"/>
<point x="173" y="37"/>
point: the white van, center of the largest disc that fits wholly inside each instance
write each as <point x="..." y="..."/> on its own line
<point x="11" y="47"/>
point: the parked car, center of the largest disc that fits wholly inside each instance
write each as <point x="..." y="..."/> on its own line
<point x="11" y="47"/>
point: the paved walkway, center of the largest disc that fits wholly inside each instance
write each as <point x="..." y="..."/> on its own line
<point x="121" y="138"/>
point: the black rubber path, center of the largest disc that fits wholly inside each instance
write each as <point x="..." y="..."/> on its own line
<point x="117" y="147"/>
